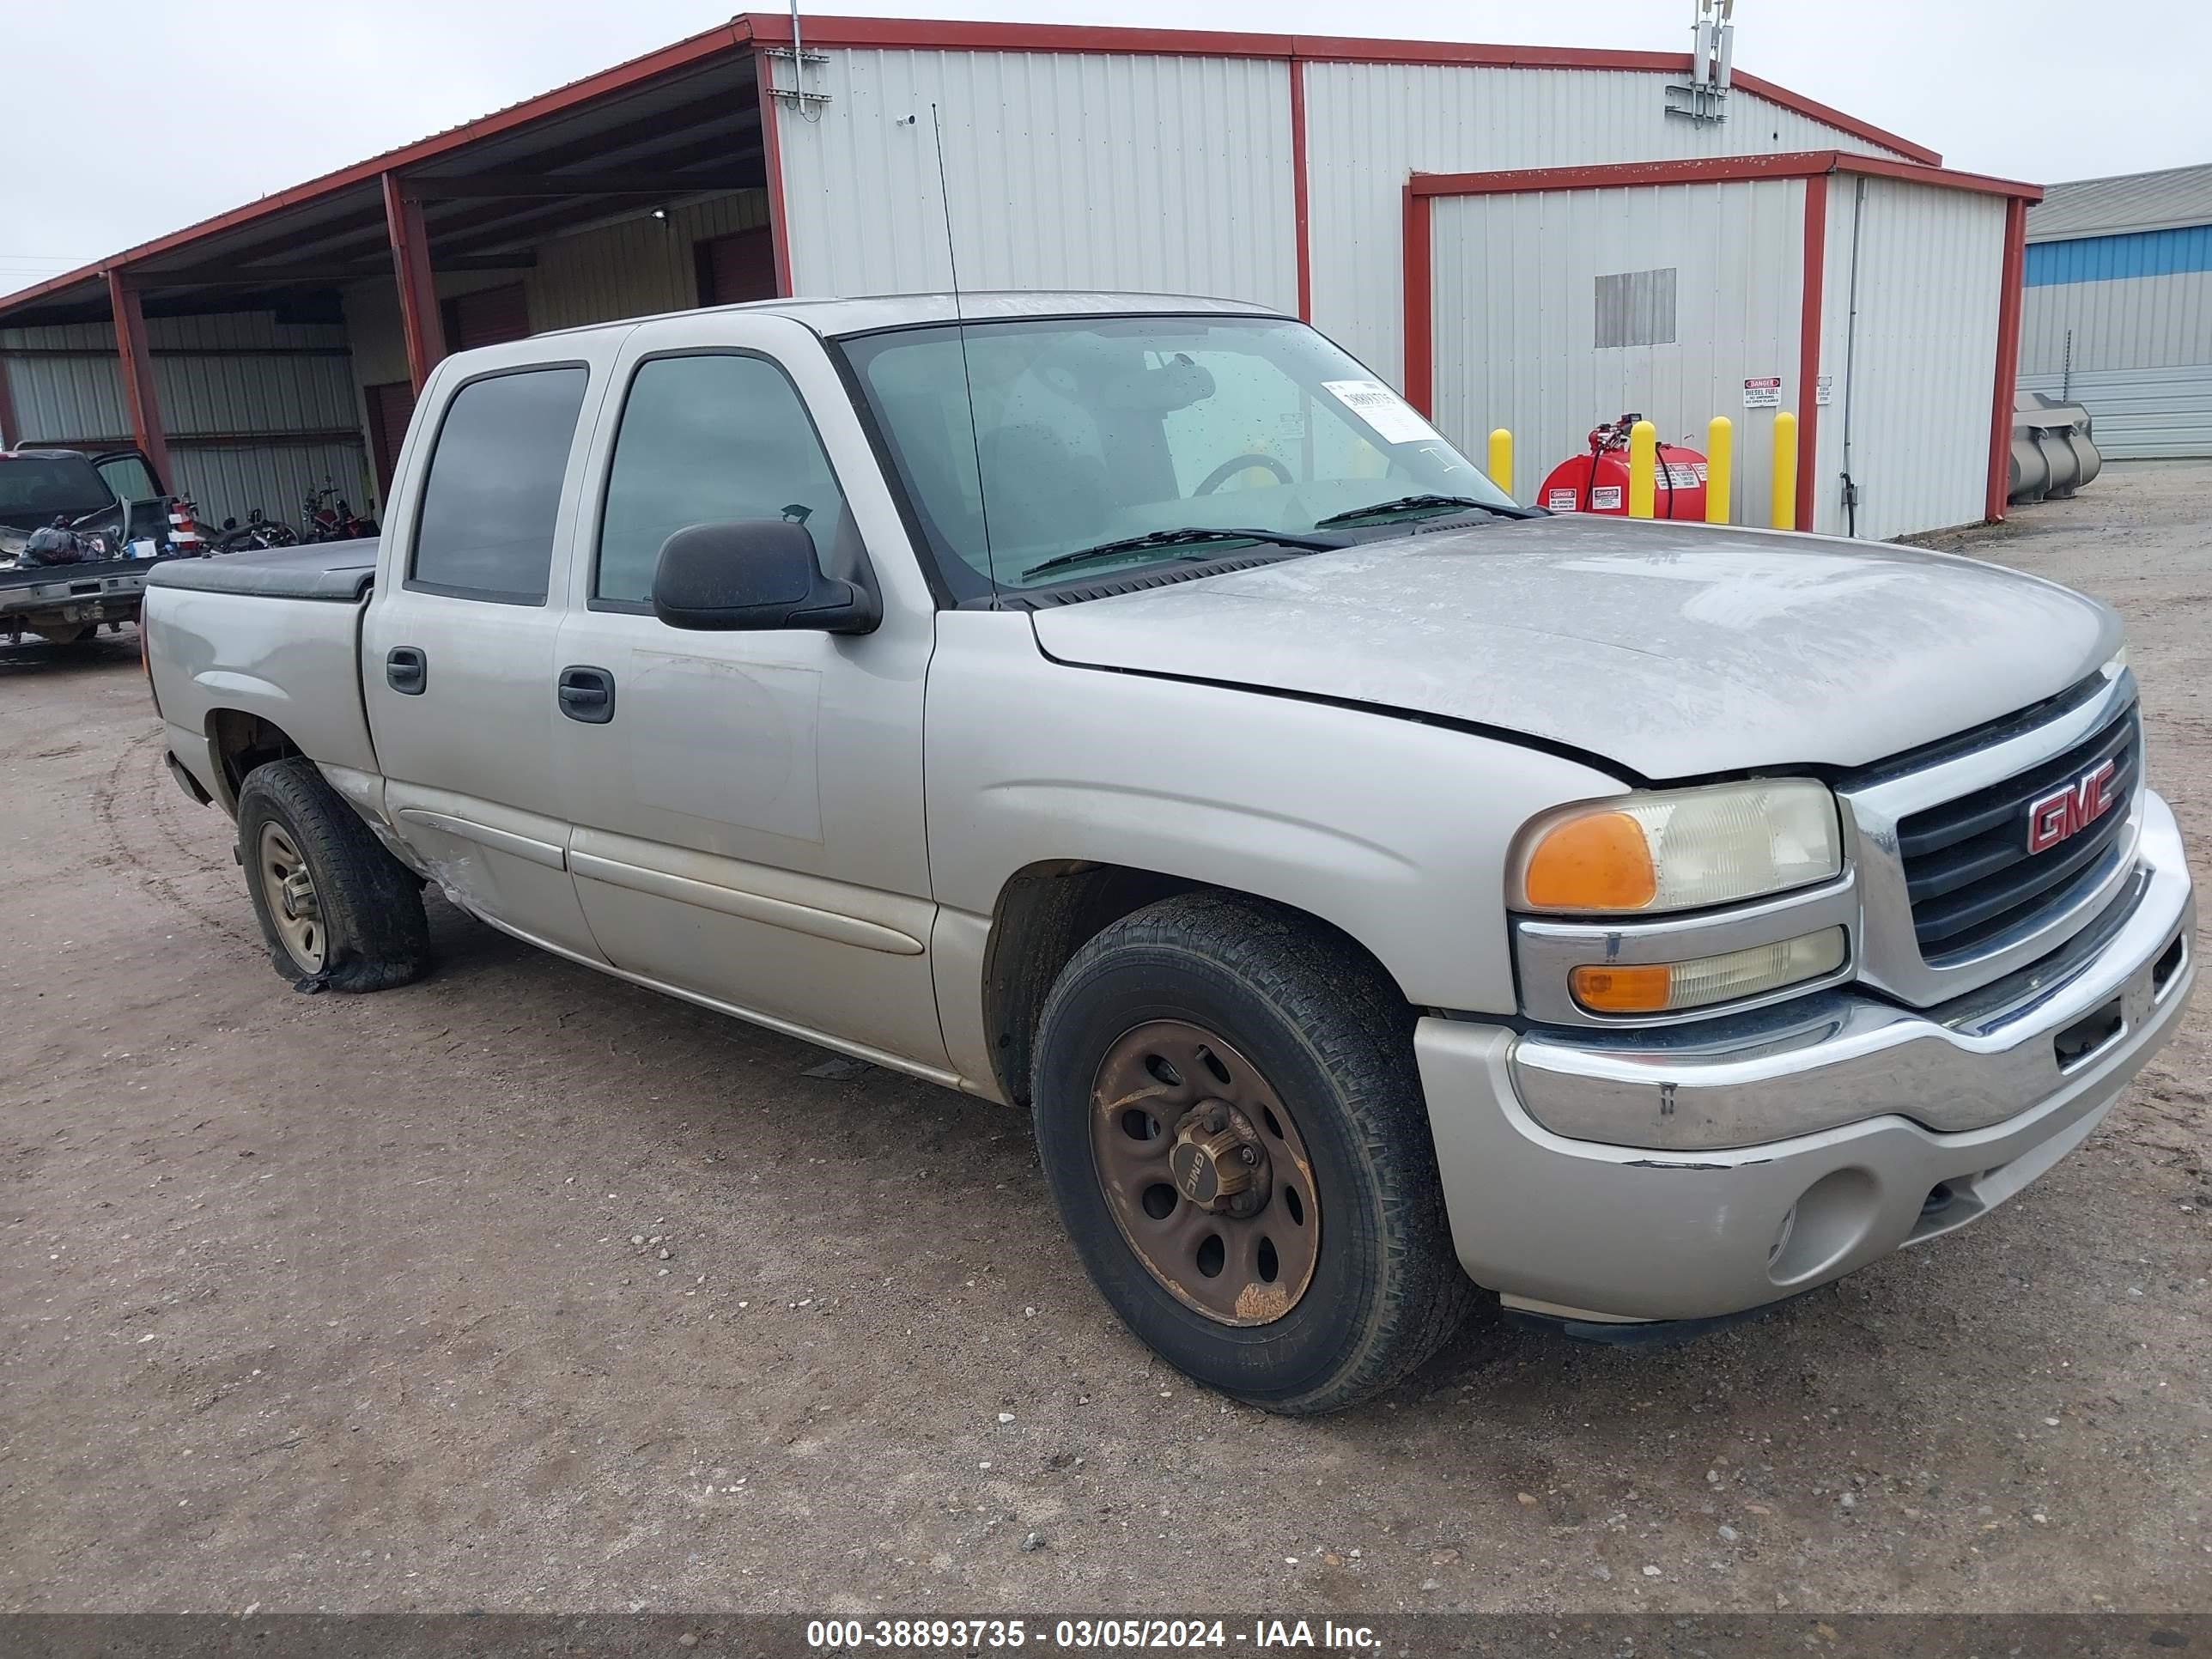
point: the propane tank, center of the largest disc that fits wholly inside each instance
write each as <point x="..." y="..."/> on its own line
<point x="1598" y="481"/>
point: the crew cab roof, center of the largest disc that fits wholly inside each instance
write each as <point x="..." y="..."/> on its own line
<point x="835" y="319"/>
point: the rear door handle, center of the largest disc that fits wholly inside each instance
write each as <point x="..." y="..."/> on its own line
<point x="406" y="671"/>
<point x="588" y="695"/>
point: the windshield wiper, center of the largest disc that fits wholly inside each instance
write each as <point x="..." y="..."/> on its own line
<point x="1190" y="535"/>
<point x="1415" y="503"/>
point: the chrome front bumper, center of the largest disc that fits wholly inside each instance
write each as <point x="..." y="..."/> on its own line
<point x="1703" y="1171"/>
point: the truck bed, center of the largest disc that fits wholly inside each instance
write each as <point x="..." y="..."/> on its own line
<point x="339" y="571"/>
<point x="273" y="633"/>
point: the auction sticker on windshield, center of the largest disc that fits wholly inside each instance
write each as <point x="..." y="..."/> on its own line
<point x="1391" y="415"/>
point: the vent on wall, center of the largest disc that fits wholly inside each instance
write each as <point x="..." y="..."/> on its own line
<point x="1637" y="307"/>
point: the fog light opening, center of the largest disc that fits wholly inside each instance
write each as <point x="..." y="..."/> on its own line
<point x="1781" y="1239"/>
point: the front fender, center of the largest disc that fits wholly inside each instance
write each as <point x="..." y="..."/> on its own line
<point x="1393" y="829"/>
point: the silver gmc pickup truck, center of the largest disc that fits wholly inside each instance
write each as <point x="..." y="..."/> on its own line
<point x="1128" y="708"/>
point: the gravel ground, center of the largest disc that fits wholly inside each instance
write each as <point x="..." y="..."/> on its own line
<point x="331" y="1303"/>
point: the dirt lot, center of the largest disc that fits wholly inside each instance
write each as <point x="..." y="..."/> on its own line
<point x="330" y="1303"/>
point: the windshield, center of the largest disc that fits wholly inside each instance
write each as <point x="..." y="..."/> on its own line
<point x="1098" y="430"/>
<point x="33" y="489"/>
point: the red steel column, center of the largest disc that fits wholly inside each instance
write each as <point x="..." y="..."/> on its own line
<point x="1419" y="305"/>
<point x="1808" y="346"/>
<point x="1299" y="189"/>
<point x="779" y="223"/>
<point x="2009" y="300"/>
<point x="418" y="291"/>
<point x="136" y="366"/>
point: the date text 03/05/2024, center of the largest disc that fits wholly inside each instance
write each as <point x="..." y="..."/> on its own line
<point x="1106" y="1635"/>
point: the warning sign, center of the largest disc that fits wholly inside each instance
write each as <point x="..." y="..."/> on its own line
<point x="1605" y="498"/>
<point x="1823" y="387"/>
<point x="1559" y="501"/>
<point x="1764" y="392"/>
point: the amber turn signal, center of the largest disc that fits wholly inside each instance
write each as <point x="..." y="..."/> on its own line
<point x="1600" y="861"/>
<point x="1632" y="988"/>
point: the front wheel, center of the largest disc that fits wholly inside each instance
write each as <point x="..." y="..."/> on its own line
<point x="1232" y="1128"/>
<point x="336" y="908"/>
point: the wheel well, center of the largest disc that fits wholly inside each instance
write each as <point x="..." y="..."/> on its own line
<point x="1046" y="914"/>
<point x="242" y="742"/>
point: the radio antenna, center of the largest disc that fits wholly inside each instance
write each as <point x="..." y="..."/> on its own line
<point x="967" y="376"/>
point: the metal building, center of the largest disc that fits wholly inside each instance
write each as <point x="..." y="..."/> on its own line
<point x="1455" y="213"/>
<point x="2117" y="314"/>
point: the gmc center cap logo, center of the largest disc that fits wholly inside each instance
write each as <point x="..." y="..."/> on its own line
<point x="2071" y="808"/>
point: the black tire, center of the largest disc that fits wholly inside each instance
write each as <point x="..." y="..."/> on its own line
<point x="1334" y="1042"/>
<point x="374" y="933"/>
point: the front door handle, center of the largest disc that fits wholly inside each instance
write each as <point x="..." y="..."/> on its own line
<point x="406" y="671"/>
<point x="588" y="695"/>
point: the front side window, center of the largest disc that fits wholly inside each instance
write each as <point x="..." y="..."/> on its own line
<point x="1050" y="438"/>
<point x="485" y="531"/>
<point x="705" y="440"/>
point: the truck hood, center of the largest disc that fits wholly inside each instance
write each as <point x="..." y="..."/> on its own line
<point x="1671" y="650"/>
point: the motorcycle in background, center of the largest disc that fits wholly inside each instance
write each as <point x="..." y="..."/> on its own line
<point x="329" y="517"/>
<point x="258" y="532"/>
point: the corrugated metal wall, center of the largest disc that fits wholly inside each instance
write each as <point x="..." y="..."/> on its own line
<point x="2139" y="358"/>
<point x="1916" y="390"/>
<point x="1515" y="283"/>
<point x="1065" y="170"/>
<point x="1368" y="124"/>
<point x="257" y="412"/>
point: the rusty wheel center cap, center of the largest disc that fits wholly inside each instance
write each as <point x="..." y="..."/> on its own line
<point x="1218" y="1160"/>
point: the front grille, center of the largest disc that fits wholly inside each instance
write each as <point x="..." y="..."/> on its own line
<point x="1966" y="864"/>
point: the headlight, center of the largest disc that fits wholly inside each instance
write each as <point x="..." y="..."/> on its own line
<point x="2118" y="665"/>
<point x="1680" y="849"/>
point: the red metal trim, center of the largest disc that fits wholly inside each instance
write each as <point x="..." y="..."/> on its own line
<point x="1760" y="88"/>
<point x="420" y="319"/>
<point x="925" y="33"/>
<point x="1714" y="169"/>
<point x="917" y="33"/>
<point x="779" y="232"/>
<point x="1300" y="190"/>
<point x="1880" y="166"/>
<point x="1808" y="344"/>
<point x="2009" y="298"/>
<point x="1420" y="305"/>
<point x="140" y="401"/>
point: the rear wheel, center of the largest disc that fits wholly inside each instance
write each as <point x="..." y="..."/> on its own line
<point x="1232" y="1128"/>
<point x="336" y="908"/>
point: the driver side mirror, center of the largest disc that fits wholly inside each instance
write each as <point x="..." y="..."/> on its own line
<point x="755" y="574"/>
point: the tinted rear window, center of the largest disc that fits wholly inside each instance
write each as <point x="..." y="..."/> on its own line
<point x="485" y="531"/>
<point x="41" y="486"/>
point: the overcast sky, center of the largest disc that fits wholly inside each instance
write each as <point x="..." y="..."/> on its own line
<point x="134" y="118"/>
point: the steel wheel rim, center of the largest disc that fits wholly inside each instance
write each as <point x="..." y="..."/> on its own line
<point x="289" y="886"/>
<point x="1174" y="1107"/>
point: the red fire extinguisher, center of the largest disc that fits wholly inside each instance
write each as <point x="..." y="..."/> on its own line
<point x="1598" y="481"/>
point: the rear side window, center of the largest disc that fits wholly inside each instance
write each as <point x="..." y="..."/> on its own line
<point x="485" y="531"/>
<point x="705" y="440"/>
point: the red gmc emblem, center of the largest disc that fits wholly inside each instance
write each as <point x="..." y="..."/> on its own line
<point x="2068" y="811"/>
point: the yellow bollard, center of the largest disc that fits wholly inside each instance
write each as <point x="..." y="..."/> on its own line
<point x="1720" y="465"/>
<point x="1781" y="511"/>
<point x="1501" y="460"/>
<point x="1643" y="469"/>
